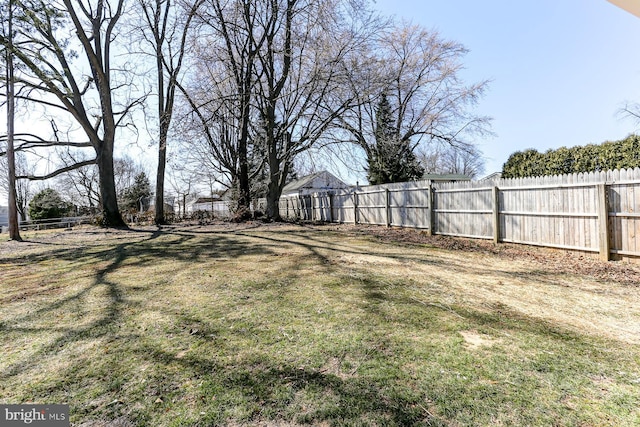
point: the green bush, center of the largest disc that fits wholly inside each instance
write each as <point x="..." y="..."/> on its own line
<point x="624" y="154"/>
<point x="48" y="204"/>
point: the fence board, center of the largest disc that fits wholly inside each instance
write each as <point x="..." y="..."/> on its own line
<point x="555" y="211"/>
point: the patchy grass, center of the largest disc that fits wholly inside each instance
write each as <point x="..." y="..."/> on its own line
<point x="285" y="325"/>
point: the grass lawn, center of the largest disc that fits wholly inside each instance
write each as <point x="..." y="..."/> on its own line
<point x="285" y="325"/>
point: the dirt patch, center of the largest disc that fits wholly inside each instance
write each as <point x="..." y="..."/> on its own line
<point x="475" y="340"/>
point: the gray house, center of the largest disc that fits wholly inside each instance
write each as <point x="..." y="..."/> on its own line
<point x="315" y="183"/>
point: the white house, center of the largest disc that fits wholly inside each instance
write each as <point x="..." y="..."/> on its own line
<point x="315" y="183"/>
<point x="204" y="204"/>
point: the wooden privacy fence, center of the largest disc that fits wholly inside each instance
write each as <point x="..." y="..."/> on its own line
<point x="593" y="212"/>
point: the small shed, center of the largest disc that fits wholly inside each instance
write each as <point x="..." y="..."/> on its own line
<point x="315" y="183"/>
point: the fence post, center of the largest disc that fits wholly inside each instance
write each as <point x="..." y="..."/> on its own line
<point x="355" y="207"/>
<point x="387" y="204"/>
<point x="496" y="214"/>
<point x="330" y="207"/>
<point x="313" y="211"/>
<point x="430" y="219"/>
<point x="603" y="222"/>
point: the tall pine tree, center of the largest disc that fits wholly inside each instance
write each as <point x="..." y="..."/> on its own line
<point x="390" y="159"/>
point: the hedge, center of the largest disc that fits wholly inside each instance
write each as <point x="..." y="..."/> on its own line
<point x="623" y="154"/>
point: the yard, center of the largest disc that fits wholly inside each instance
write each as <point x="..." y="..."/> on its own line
<point x="289" y="325"/>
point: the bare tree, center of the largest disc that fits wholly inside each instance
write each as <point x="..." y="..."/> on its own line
<point x="220" y="98"/>
<point x="23" y="190"/>
<point x="443" y="158"/>
<point x="82" y="185"/>
<point x="631" y="111"/>
<point x="268" y="84"/>
<point x="303" y="67"/>
<point x="419" y="73"/>
<point x="14" y="230"/>
<point x="183" y="183"/>
<point x="75" y="75"/>
<point x="166" y="30"/>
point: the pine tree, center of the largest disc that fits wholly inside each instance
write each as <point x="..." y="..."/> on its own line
<point x="391" y="159"/>
<point x="137" y="196"/>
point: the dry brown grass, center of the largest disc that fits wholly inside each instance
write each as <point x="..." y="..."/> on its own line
<point x="287" y="325"/>
<point x="571" y="289"/>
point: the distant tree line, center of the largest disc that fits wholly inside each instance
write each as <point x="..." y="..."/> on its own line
<point x="609" y="155"/>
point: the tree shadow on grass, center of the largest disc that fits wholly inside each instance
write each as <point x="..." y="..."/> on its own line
<point x="272" y="390"/>
<point x="275" y="392"/>
<point x="145" y="249"/>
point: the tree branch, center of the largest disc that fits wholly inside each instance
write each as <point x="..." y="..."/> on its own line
<point x="59" y="171"/>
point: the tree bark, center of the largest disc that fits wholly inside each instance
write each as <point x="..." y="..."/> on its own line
<point x="162" y="161"/>
<point x="14" y="229"/>
<point x="164" y="120"/>
<point x="110" y="211"/>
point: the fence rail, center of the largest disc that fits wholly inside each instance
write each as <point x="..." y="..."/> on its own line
<point x="43" y="224"/>
<point x="595" y="212"/>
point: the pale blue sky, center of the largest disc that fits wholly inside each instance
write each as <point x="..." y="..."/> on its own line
<point x="560" y="70"/>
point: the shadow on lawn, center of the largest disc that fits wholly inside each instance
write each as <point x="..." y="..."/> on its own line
<point x="141" y="248"/>
<point x="271" y="392"/>
<point x="351" y="400"/>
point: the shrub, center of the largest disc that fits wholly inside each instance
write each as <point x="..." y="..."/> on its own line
<point x="48" y="204"/>
<point x="610" y="155"/>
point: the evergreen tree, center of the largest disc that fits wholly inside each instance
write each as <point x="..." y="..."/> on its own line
<point x="137" y="196"/>
<point x="48" y="204"/>
<point x="391" y="159"/>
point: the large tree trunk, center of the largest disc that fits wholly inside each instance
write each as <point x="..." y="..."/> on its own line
<point x="110" y="211"/>
<point x="273" y="195"/>
<point x="14" y="229"/>
<point x="244" y="194"/>
<point x="162" y="160"/>
<point x="275" y="173"/>
<point x="164" y="119"/>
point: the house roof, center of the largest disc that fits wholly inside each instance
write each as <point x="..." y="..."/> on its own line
<point x="207" y="200"/>
<point x="493" y="176"/>
<point x="446" y="177"/>
<point x="631" y="6"/>
<point x="307" y="182"/>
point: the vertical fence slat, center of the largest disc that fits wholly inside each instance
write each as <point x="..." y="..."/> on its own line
<point x="596" y="212"/>
<point x="603" y="221"/>
<point x="496" y="214"/>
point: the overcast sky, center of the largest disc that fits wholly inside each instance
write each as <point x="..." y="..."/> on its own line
<point x="560" y="70"/>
